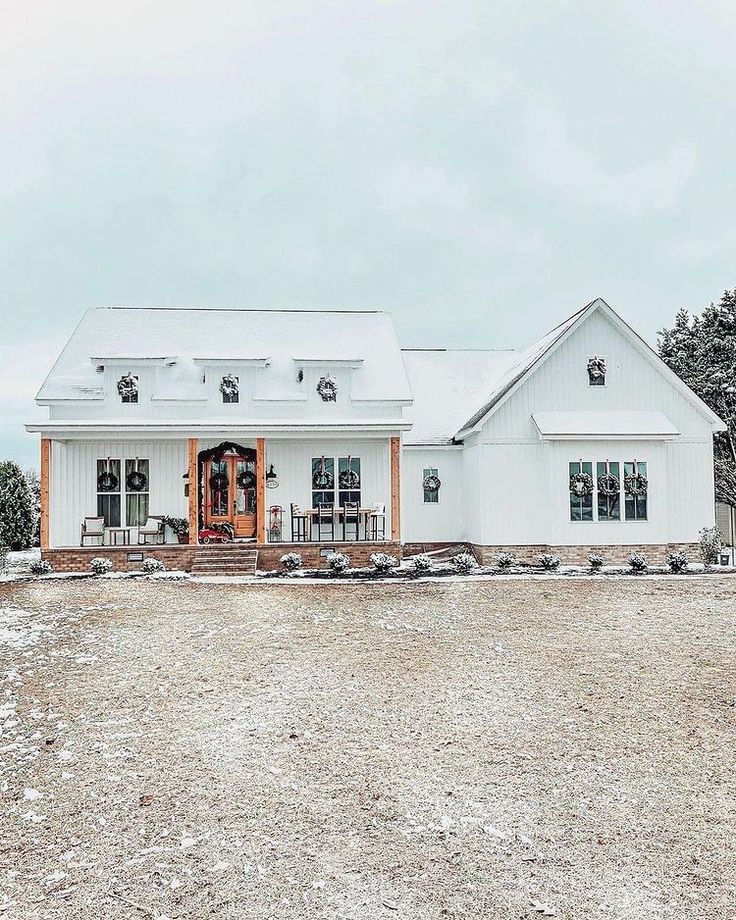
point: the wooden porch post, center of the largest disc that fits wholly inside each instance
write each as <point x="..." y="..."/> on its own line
<point x="260" y="490"/>
<point x="396" y="489"/>
<point x="193" y="492"/>
<point x="45" y="471"/>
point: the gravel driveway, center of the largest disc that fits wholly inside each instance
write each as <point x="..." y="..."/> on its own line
<point x="448" y="750"/>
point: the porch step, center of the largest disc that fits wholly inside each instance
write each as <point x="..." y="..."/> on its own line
<point x="225" y="559"/>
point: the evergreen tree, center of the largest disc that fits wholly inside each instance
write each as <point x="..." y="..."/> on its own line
<point x="16" y="507"/>
<point x="702" y="352"/>
<point x="34" y="485"/>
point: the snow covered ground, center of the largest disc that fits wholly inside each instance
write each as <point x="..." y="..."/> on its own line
<point x="489" y="749"/>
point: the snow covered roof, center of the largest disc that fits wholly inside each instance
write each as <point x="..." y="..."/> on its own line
<point x="606" y="424"/>
<point x="447" y="384"/>
<point x="366" y="340"/>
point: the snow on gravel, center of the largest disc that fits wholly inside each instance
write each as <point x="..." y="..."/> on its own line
<point x="492" y="749"/>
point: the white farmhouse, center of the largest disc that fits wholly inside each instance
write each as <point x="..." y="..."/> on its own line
<point x="171" y="429"/>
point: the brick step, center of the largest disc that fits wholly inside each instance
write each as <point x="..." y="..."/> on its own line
<point x="224" y="570"/>
<point x="252" y="554"/>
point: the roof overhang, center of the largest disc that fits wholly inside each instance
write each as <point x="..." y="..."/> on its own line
<point x="212" y="427"/>
<point x="606" y="425"/>
<point x="325" y="362"/>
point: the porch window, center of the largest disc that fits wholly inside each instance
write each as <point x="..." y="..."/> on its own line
<point x="108" y="491"/>
<point x="431" y="496"/>
<point x="581" y="506"/>
<point x="323" y="481"/>
<point x="136" y="492"/>
<point x="348" y="480"/>
<point x="609" y="505"/>
<point x="636" y="490"/>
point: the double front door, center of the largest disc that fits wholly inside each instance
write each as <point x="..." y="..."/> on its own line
<point x="230" y="494"/>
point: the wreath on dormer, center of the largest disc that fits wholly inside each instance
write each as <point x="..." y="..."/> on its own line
<point x="327" y="388"/>
<point x="128" y="386"/>
<point x="596" y="367"/>
<point x="230" y="386"/>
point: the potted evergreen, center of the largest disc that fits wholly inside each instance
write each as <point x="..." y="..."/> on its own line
<point x="180" y="526"/>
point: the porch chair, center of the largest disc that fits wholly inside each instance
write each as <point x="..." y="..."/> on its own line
<point x="350" y="518"/>
<point x="298" y="524"/>
<point x="153" y="529"/>
<point x="378" y="517"/>
<point x="93" y="528"/>
<point x="325" y="518"/>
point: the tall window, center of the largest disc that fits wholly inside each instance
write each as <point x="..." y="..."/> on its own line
<point x="581" y="506"/>
<point x="137" y="490"/>
<point x="636" y="501"/>
<point x="108" y="492"/>
<point x="335" y="480"/>
<point x="608" y="485"/>
<point x="323" y="481"/>
<point x="348" y="480"/>
<point x="431" y="496"/>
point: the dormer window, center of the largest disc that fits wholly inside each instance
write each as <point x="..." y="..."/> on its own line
<point x="128" y="388"/>
<point x="597" y="371"/>
<point x="230" y="388"/>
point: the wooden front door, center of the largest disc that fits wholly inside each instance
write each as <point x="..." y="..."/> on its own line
<point x="230" y="494"/>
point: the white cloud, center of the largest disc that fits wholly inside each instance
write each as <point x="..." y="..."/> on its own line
<point x="410" y="186"/>
<point x="553" y="158"/>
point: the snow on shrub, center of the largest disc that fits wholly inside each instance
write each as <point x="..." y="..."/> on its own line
<point x="505" y="560"/>
<point x="596" y="561"/>
<point x="548" y="561"/>
<point x="421" y="564"/>
<point x="677" y="562"/>
<point x="464" y="563"/>
<point x="291" y="561"/>
<point x="711" y="544"/>
<point x="338" y="562"/>
<point x="41" y="567"/>
<point x="383" y="562"/>
<point x="638" y="563"/>
<point x="100" y="565"/>
<point x="153" y="565"/>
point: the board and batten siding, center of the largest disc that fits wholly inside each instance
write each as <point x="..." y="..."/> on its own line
<point x="434" y="521"/>
<point x="292" y="463"/>
<point x="73" y="486"/>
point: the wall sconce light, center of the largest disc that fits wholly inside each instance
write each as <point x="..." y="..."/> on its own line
<point x="272" y="480"/>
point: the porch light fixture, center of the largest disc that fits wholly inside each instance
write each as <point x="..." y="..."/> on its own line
<point x="272" y="480"/>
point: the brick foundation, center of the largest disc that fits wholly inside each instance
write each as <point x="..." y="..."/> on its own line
<point x="181" y="556"/>
<point x="656" y="553"/>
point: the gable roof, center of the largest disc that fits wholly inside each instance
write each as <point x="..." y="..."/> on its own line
<point x="447" y="383"/>
<point x="367" y="340"/>
<point x="534" y="356"/>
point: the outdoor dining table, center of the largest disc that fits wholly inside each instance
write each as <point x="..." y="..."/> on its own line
<point x="364" y="517"/>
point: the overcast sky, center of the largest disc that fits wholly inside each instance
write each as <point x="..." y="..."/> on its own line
<point x="479" y="169"/>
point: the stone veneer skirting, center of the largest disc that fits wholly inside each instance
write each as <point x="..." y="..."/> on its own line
<point x="181" y="556"/>
<point x="656" y="553"/>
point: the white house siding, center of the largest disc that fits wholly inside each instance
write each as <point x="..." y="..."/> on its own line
<point x="73" y="485"/>
<point x="292" y="462"/>
<point x="523" y="487"/>
<point x="432" y="522"/>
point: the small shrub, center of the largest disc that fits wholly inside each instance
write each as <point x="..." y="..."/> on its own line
<point x="638" y="563"/>
<point x="421" y="564"/>
<point x="677" y="562"/>
<point x="383" y="562"/>
<point x="711" y="544"/>
<point x="596" y="561"/>
<point x="338" y="562"/>
<point x="100" y="565"/>
<point x="41" y="567"/>
<point x="464" y="563"/>
<point x="549" y="562"/>
<point x="505" y="560"/>
<point x="153" y="565"/>
<point x="291" y="561"/>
